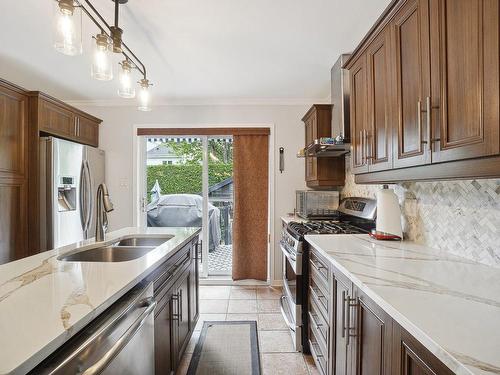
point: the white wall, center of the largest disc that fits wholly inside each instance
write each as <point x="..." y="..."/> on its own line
<point x="116" y="138"/>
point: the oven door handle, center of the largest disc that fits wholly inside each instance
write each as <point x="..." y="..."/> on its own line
<point x="288" y="254"/>
<point x="285" y="316"/>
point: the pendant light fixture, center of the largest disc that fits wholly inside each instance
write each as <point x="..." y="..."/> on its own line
<point x="126" y="89"/>
<point x="145" y="95"/>
<point x="68" y="40"/>
<point x="67" y="28"/>
<point x="102" y="68"/>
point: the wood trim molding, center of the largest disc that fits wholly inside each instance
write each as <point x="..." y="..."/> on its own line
<point x="488" y="167"/>
<point x="203" y="131"/>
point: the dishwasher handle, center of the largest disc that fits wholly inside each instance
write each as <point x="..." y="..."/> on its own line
<point x="102" y="363"/>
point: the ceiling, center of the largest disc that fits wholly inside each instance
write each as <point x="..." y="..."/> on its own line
<point x="239" y="50"/>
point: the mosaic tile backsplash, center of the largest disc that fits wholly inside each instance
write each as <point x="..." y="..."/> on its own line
<point x="462" y="216"/>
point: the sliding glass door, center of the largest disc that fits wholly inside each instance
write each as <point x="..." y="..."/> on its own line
<point x="188" y="182"/>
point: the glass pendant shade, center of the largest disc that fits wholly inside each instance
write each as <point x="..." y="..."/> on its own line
<point x="145" y="96"/>
<point x="67" y="28"/>
<point x="102" y="67"/>
<point x="126" y="89"/>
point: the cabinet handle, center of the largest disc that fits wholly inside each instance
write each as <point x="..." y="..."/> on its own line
<point x="347" y="303"/>
<point x="343" y="313"/>
<point x="175" y="316"/>
<point x="180" y="306"/>
<point x="419" y="120"/>
<point x="368" y="154"/>
<point x="429" y="127"/>
<point x="78" y="126"/>
<point x="362" y="146"/>
<point x="74" y="126"/>
<point x="429" y="123"/>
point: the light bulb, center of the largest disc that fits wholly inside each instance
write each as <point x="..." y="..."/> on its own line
<point x="102" y="69"/>
<point x="144" y="96"/>
<point x="126" y="89"/>
<point x="67" y="28"/>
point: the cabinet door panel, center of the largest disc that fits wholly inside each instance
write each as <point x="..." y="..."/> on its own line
<point x="182" y="314"/>
<point x="464" y="35"/>
<point x="359" y="112"/>
<point x="13" y="220"/>
<point x="88" y="131"/>
<point x="13" y="132"/>
<point x="56" y="120"/>
<point x="341" y="357"/>
<point x="194" y="285"/>
<point x="412" y="83"/>
<point x="373" y="332"/>
<point x="380" y="116"/>
<point x="409" y="357"/>
<point x="164" y="336"/>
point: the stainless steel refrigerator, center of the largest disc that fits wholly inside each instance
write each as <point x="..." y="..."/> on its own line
<point x="69" y="176"/>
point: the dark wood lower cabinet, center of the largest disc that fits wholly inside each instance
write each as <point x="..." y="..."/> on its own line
<point x="175" y="284"/>
<point x="372" y="332"/>
<point x="164" y="363"/>
<point x="367" y="341"/>
<point x="411" y="358"/>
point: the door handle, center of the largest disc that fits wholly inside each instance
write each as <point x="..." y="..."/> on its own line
<point x="82" y="197"/>
<point x="90" y="205"/>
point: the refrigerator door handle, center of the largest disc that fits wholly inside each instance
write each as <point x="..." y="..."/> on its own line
<point x="83" y="197"/>
<point x="89" y="196"/>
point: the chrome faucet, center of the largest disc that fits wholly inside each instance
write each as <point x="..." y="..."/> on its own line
<point x="103" y="206"/>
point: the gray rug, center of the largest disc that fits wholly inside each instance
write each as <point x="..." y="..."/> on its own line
<point x="226" y="348"/>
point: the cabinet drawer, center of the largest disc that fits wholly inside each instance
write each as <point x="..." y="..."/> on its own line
<point x="320" y="297"/>
<point x="319" y="323"/>
<point x="319" y="266"/>
<point x="320" y="358"/>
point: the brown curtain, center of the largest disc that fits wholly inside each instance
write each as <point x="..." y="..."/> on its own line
<point x="250" y="225"/>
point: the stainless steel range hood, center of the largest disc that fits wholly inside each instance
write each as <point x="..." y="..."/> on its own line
<point x="339" y="143"/>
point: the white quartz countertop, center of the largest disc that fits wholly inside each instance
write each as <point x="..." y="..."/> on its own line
<point x="450" y="304"/>
<point x="44" y="301"/>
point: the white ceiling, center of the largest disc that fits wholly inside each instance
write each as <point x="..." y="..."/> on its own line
<point x="276" y="50"/>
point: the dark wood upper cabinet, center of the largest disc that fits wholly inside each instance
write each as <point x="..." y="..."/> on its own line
<point x="14" y="173"/>
<point x="464" y="39"/>
<point x="359" y="115"/>
<point x="380" y="112"/>
<point x="411" y="57"/>
<point x="58" y="119"/>
<point x="321" y="172"/>
<point x="87" y="131"/>
<point x="432" y="89"/>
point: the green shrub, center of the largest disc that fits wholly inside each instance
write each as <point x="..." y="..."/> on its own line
<point x="185" y="178"/>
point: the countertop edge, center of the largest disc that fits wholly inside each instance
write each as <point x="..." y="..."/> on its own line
<point x="441" y="353"/>
<point x="60" y="340"/>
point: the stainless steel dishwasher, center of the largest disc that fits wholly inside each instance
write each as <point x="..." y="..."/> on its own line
<point x="119" y="341"/>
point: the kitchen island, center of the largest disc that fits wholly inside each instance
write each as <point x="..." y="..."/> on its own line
<point x="45" y="301"/>
<point x="428" y="307"/>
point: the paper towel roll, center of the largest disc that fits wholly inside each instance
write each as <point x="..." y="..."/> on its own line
<point x="388" y="213"/>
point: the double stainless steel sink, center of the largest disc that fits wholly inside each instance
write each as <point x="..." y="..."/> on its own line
<point x="128" y="248"/>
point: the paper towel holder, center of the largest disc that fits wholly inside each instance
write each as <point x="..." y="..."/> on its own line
<point x="388" y="217"/>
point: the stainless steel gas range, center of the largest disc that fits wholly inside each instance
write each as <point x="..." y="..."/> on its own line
<point x="354" y="216"/>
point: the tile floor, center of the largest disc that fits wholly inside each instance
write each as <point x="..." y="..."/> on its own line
<point x="262" y="305"/>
